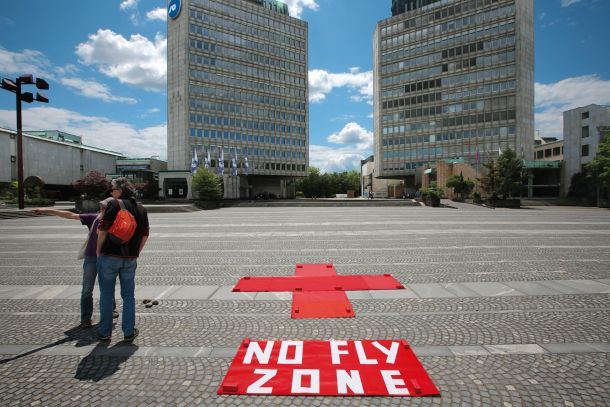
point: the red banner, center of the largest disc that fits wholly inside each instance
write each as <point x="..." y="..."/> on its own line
<point x="327" y="368"/>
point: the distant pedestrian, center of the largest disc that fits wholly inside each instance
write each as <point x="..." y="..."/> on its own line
<point x="372" y="195"/>
<point x="88" y="254"/>
<point x="117" y="258"/>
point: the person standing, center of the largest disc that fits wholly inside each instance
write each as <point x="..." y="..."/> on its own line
<point x="92" y="221"/>
<point x="120" y="259"/>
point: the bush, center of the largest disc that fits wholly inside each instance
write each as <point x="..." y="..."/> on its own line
<point x="93" y="186"/>
<point x="207" y="186"/>
<point x="432" y="194"/>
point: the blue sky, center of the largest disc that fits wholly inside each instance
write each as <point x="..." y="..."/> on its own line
<point x="106" y="64"/>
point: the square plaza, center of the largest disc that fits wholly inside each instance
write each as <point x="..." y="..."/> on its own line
<point x="502" y="307"/>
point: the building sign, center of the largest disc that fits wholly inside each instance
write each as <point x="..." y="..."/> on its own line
<point x="327" y="368"/>
<point x="173" y="9"/>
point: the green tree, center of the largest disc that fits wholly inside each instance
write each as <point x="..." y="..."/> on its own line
<point x="431" y="195"/>
<point x="511" y="174"/>
<point x="598" y="170"/>
<point x="491" y="180"/>
<point x="461" y="187"/>
<point x="207" y="186"/>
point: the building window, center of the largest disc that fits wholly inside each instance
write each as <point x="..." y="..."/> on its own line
<point x="584" y="115"/>
<point x="547" y="152"/>
<point x="585" y="150"/>
<point x="539" y="154"/>
<point x="557" y="151"/>
<point x="585" y="131"/>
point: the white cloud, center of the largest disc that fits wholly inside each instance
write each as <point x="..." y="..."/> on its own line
<point x="295" y="7"/>
<point x="94" y="90"/>
<point x="26" y="61"/>
<point x="554" y="98"/>
<point x="96" y="131"/>
<point x="357" y="145"/>
<point x="353" y="133"/>
<point x="568" y="3"/>
<point x="157" y="14"/>
<point x="329" y="159"/>
<point x="136" y="61"/>
<point x="128" y="4"/>
<point x="322" y="83"/>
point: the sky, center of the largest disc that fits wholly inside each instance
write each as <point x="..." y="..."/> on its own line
<point x="106" y="65"/>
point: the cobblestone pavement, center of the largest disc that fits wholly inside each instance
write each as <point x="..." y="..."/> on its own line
<point x="502" y="307"/>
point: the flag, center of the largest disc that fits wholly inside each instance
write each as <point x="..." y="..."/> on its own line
<point x="234" y="164"/>
<point x="207" y="160"/>
<point x="499" y="151"/>
<point x="246" y="166"/>
<point x="477" y="155"/>
<point x="221" y="161"/>
<point x="194" y="161"/>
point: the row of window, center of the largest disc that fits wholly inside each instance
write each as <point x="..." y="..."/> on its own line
<point x="449" y="53"/>
<point x="480" y="76"/>
<point x="245" y="110"/>
<point x="478" y="62"/>
<point x="461" y="94"/>
<point x="411" y="87"/>
<point x="478" y="118"/>
<point x="447" y="41"/>
<point x="218" y="78"/>
<point x="237" y="136"/>
<point x="256" y="32"/>
<point x="262" y="152"/>
<point x="246" y="70"/>
<point x="248" y="15"/>
<point x="249" y="44"/>
<point x="549" y="152"/>
<point x="246" y="56"/>
<point x="245" y="124"/>
<point x="453" y="25"/>
<point x="426" y="19"/>
<point x="245" y="97"/>
<point x="451" y="136"/>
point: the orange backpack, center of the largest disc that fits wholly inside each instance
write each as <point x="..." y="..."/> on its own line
<point x="124" y="226"/>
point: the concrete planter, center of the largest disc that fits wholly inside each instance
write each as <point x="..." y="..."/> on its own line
<point x="87" y="205"/>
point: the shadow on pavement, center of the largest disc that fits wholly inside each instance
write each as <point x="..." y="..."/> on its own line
<point x="104" y="361"/>
<point x="82" y="336"/>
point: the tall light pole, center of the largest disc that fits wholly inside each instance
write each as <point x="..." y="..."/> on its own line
<point x="28" y="97"/>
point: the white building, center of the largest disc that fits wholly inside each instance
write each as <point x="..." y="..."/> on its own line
<point x="57" y="158"/>
<point x="581" y="138"/>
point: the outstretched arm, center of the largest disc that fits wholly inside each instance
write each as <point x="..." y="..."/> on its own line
<point x="57" y="212"/>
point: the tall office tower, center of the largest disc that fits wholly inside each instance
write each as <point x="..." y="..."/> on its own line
<point x="237" y="90"/>
<point x="452" y="80"/>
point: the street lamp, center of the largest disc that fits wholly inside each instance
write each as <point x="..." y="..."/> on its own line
<point x="28" y="97"/>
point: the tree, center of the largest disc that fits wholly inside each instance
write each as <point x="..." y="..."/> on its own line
<point x="93" y="186"/>
<point x="207" y="186"/>
<point x="511" y="174"/>
<point x="490" y="181"/>
<point x="461" y="187"/>
<point x="326" y="185"/>
<point x="432" y="194"/>
<point x="598" y="170"/>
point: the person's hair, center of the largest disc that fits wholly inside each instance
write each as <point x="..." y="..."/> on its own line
<point x="128" y="190"/>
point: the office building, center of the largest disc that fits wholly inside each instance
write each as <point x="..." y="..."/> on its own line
<point x="582" y="132"/>
<point x="452" y="80"/>
<point x="237" y="90"/>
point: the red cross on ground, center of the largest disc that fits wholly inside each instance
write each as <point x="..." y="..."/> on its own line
<point x="317" y="290"/>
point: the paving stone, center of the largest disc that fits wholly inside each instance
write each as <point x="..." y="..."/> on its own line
<point x="478" y="340"/>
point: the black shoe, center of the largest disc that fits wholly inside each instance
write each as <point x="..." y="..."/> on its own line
<point x="115" y="314"/>
<point x="85" y="324"/>
<point x="103" y="338"/>
<point x="133" y="336"/>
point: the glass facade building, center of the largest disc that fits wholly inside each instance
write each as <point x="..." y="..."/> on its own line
<point x="452" y="79"/>
<point x="237" y="90"/>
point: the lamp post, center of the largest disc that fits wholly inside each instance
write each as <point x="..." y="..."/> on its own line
<point x="28" y="97"/>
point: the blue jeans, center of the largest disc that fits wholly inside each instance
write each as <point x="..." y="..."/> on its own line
<point x="86" y="296"/>
<point x="108" y="268"/>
